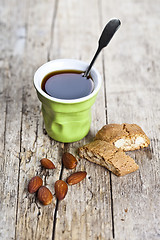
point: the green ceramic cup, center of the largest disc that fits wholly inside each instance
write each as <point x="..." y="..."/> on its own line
<point x="66" y="120"/>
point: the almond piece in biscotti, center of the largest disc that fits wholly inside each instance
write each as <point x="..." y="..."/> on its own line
<point x="126" y="136"/>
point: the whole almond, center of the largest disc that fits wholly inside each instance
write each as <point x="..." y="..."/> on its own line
<point x="76" y="177"/>
<point x="69" y="160"/>
<point x="46" y="163"/>
<point x="44" y="195"/>
<point x="34" y="184"/>
<point x="61" y="189"/>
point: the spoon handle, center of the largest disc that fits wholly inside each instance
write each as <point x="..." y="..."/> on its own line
<point x="108" y="32"/>
<point x="92" y="62"/>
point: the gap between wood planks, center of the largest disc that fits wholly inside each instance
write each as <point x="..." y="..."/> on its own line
<point x="19" y="167"/>
<point x="57" y="201"/>
<point x="110" y="174"/>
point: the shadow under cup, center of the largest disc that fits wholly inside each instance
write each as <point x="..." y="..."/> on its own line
<point x="66" y="120"/>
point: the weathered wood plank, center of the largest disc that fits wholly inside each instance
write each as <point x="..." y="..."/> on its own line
<point x="132" y="66"/>
<point x="35" y="221"/>
<point x="79" y="214"/>
<point x="31" y="34"/>
<point x="10" y="86"/>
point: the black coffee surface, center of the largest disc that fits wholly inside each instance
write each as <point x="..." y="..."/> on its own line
<point x="67" y="84"/>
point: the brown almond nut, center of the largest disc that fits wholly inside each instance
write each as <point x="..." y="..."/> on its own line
<point x="34" y="184"/>
<point x="69" y="161"/>
<point x="44" y="195"/>
<point x="61" y="189"/>
<point x="46" y="163"/>
<point x="76" y="177"/>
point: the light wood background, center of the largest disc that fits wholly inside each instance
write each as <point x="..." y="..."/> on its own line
<point x="103" y="206"/>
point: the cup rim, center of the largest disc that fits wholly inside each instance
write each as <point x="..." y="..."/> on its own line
<point x="66" y="60"/>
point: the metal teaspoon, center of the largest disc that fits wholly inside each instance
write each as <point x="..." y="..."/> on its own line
<point x="108" y="32"/>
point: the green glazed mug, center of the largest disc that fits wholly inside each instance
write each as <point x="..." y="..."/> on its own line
<point x="66" y="120"/>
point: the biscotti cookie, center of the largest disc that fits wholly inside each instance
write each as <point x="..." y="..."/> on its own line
<point x="107" y="155"/>
<point x="128" y="137"/>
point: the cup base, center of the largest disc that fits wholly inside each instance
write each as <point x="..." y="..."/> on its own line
<point x="68" y="139"/>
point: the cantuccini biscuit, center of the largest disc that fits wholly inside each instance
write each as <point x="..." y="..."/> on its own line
<point x="107" y="155"/>
<point x="128" y="137"/>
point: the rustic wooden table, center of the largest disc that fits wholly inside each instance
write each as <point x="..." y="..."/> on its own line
<point x="103" y="206"/>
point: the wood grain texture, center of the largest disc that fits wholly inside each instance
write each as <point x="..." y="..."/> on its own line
<point x="32" y="217"/>
<point x="86" y="203"/>
<point x="132" y="98"/>
<point x="11" y="122"/>
<point x="102" y="206"/>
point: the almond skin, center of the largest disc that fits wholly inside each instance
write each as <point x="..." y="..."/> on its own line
<point x="69" y="161"/>
<point x="34" y="184"/>
<point x="76" y="177"/>
<point x="46" y="163"/>
<point x="61" y="189"/>
<point x="44" y="195"/>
